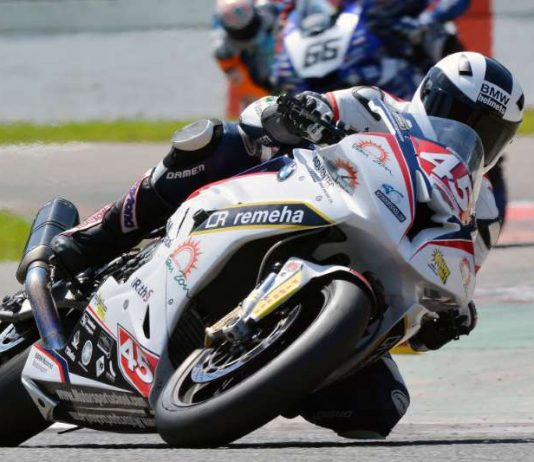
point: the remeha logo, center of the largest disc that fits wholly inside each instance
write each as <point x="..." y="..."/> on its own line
<point x="494" y="97"/>
<point x="263" y="215"/>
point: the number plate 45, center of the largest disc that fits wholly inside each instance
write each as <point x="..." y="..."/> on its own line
<point x="136" y="363"/>
<point x="452" y="179"/>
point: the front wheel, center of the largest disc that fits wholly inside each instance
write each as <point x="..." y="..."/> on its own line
<point x="222" y="393"/>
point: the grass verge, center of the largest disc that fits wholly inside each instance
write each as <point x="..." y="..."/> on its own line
<point x="13" y="235"/>
<point x="527" y="127"/>
<point x="113" y="131"/>
<point x="123" y="131"/>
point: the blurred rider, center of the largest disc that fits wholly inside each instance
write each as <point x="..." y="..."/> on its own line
<point x="324" y="45"/>
<point x="467" y="87"/>
<point x="244" y="38"/>
<point x="419" y="30"/>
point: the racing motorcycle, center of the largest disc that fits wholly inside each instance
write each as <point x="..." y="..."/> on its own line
<point x="261" y="289"/>
<point x="321" y="50"/>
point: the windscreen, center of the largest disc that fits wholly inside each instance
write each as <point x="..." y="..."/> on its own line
<point x="314" y="16"/>
<point x="456" y="136"/>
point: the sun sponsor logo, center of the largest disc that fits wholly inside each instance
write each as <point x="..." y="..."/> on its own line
<point x="183" y="261"/>
<point x="439" y="266"/>
<point x="375" y="152"/>
<point x="345" y="174"/>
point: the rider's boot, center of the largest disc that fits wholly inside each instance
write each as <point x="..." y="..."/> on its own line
<point x="112" y="230"/>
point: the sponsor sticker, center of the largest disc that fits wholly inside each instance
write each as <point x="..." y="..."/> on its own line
<point x="277" y="296"/>
<point x="493" y="96"/>
<point x="142" y="289"/>
<point x="70" y="354"/>
<point x="395" y="196"/>
<point x="345" y="174"/>
<point x="75" y="340"/>
<point x="88" y="323"/>
<point x="101" y="308"/>
<point x="112" y="419"/>
<point x="105" y="343"/>
<point x="100" y="399"/>
<point x="187" y="173"/>
<point x="184" y="260"/>
<point x="87" y="352"/>
<point x="129" y="205"/>
<point x="41" y="362"/>
<point x="375" y="152"/>
<point x="319" y="174"/>
<point x="136" y="363"/>
<point x="390" y="205"/>
<point x="270" y="215"/>
<point x="439" y="266"/>
<point x="100" y="366"/>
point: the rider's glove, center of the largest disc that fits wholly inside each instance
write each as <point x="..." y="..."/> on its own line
<point x="297" y="121"/>
<point x="446" y="326"/>
<point x="313" y="104"/>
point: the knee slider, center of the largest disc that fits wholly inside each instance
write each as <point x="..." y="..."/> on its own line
<point x="194" y="143"/>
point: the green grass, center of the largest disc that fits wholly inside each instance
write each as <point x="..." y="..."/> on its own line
<point x="122" y="131"/>
<point x="13" y="234"/>
<point x="118" y="131"/>
<point x="527" y="127"/>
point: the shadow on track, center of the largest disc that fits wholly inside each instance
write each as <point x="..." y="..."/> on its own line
<point x="296" y="444"/>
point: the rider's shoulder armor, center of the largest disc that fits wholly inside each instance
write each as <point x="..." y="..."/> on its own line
<point x="250" y="119"/>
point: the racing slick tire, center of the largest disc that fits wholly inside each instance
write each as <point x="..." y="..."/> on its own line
<point x="341" y="313"/>
<point x="20" y="417"/>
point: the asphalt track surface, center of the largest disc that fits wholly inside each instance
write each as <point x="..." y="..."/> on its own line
<point x="472" y="400"/>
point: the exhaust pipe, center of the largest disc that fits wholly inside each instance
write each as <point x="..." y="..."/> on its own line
<point x="44" y="308"/>
<point x="34" y="271"/>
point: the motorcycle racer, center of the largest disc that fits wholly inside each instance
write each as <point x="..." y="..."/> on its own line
<point x="243" y="42"/>
<point x="323" y="45"/>
<point x="467" y="87"/>
<point x="416" y="29"/>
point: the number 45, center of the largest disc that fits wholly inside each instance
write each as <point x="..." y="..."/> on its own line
<point x="136" y="360"/>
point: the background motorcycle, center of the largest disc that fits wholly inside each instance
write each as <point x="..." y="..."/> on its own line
<point x="322" y="50"/>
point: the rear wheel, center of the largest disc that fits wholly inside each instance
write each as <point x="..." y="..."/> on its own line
<point x="222" y="393"/>
<point x="19" y="417"/>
